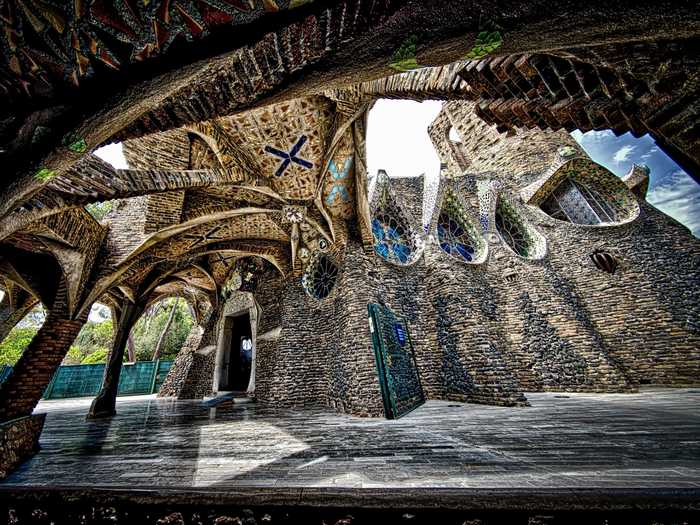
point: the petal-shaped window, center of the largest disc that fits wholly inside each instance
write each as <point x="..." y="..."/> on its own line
<point x="454" y="239"/>
<point x="578" y="203"/>
<point x="391" y="240"/>
<point x="586" y="193"/>
<point x="519" y="236"/>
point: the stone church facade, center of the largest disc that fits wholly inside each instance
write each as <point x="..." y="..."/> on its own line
<point x="529" y="268"/>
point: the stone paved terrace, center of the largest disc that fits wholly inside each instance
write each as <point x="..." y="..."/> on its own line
<point x="645" y="440"/>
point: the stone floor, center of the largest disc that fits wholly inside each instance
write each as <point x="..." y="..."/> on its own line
<point x="645" y="440"/>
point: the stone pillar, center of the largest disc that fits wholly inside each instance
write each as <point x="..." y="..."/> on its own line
<point x="105" y="401"/>
<point x="11" y="314"/>
<point x="22" y="390"/>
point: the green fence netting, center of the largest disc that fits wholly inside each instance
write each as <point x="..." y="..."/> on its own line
<point x="144" y="377"/>
<point x="4" y="372"/>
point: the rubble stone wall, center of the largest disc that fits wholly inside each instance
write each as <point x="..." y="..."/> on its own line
<point x="19" y="439"/>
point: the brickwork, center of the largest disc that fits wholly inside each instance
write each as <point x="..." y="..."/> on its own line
<point x="163" y="209"/>
<point x="487" y="332"/>
<point x="611" y="87"/>
<point x="598" y="331"/>
<point x="21" y="391"/>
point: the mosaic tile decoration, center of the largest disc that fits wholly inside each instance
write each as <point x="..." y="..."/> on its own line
<point x="339" y="180"/>
<point x="516" y="232"/>
<point x="585" y="193"/>
<point x="458" y="234"/>
<point x="395" y="239"/>
<point x="49" y="44"/>
<point x="287" y="141"/>
<point x="290" y="156"/>
<point x="430" y="201"/>
<point x="487" y="199"/>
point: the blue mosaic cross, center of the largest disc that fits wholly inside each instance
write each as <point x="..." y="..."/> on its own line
<point x="290" y="156"/>
<point x="339" y="176"/>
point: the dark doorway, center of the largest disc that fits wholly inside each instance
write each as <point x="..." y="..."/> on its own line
<point x="238" y="353"/>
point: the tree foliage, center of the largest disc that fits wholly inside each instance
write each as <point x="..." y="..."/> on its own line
<point x="98" y="356"/>
<point x="148" y="329"/>
<point x="14" y="344"/>
<point x="93" y="343"/>
<point x="95" y="336"/>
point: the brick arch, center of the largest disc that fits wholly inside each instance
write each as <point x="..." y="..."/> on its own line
<point x="165" y="92"/>
<point x="637" y="87"/>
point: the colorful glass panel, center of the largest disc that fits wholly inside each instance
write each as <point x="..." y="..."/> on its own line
<point x="391" y="240"/>
<point x="511" y="230"/>
<point x="453" y="238"/>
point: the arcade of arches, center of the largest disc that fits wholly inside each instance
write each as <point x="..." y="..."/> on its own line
<point x="247" y="194"/>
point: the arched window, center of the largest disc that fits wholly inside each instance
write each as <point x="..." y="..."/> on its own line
<point x="512" y="230"/>
<point x="454" y="239"/>
<point x="320" y="277"/>
<point x="391" y="240"/>
<point x="580" y="203"/>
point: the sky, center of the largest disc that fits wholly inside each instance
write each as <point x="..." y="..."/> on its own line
<point x="398" y="142"/>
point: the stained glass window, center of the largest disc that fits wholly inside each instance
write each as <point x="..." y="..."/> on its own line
<point x="391" y="240"/>
<point x="321" y="277"/>
<point x="453" y="237"/>
<point x="511" y="230"/>
<point x="578" y="203"/>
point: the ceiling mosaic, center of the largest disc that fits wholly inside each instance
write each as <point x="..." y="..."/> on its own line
<point x="48" y="44"/>
<point x="339" y="182"/>
<point x="288" y="143"/>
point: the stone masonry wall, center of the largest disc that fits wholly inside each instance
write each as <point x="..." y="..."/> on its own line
<point x="569" y="325"/>
<point x="164" y="209"/>
<point x="488" y="332"/>
<point x="19" y="439"/>
<point x="174" y="382"/>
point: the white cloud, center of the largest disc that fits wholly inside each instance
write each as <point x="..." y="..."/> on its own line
<point x="623" y="153"/>
<point x="592" y="137"/>
<point x="652" y="151"/>
<point x="679" y="198"/>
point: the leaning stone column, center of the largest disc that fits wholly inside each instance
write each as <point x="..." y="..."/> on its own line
<point x="11" y="314"/>
<point x="105" y="402"/>
<point x="22" y="390"/>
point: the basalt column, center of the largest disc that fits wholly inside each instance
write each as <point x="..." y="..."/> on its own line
<point x="22" y="390"/>
<point x="105" y="402"/>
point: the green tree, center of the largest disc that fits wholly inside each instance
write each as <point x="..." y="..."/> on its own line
<point x="98" y="356"/>
<point x="73" y="357"/>
<point x="14" y="344"/>
<point x="148" y="329"/>
<point x="95" y="335"/>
